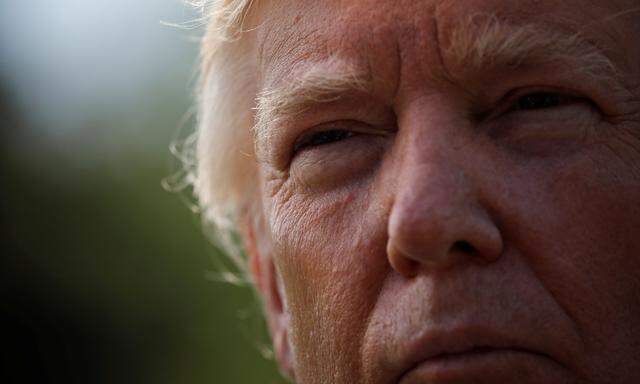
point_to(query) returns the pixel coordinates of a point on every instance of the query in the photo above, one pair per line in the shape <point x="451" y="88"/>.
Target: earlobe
<point x="265" y="277"/>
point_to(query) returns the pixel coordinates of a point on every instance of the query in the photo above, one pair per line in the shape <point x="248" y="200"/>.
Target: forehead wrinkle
<point x="320" y="84"/>
<point x="287" y="46"/>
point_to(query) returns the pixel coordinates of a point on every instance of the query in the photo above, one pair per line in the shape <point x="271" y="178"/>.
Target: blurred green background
<point x="103" y="274"/>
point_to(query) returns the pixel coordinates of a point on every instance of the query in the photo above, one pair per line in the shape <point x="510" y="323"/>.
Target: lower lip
<point x="492" y="365"/>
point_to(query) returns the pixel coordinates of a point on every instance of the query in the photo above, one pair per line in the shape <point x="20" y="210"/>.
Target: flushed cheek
<point x="322" y="251"/>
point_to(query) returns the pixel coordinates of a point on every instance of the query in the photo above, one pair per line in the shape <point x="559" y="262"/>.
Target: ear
<point x="259" y="246"/>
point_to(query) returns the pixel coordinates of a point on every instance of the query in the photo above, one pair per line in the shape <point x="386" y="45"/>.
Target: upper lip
<point x="434" y="344"/>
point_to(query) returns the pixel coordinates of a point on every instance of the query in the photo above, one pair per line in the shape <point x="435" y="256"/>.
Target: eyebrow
<point x="320" y="84"/>
<point x="483" y="41"/>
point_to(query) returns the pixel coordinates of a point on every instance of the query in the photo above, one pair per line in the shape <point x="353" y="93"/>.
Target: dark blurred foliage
<point x="103" y="273"/>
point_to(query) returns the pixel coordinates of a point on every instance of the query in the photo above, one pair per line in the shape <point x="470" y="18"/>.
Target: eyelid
<point x="356" y="127"/>
<point x="303" y="141"/>
<point x="506" y="103"/>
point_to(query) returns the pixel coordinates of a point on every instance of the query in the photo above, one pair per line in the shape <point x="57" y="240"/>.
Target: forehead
<point x="294" y="34"/>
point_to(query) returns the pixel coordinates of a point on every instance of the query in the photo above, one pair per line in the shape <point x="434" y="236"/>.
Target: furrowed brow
<point x="485" y="41"/>
<point x="319" y="85"/>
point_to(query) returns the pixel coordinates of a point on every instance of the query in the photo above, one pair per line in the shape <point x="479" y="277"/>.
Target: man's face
<point x="452" y="188"/>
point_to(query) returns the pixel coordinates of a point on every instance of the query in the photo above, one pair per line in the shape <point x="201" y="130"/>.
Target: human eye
<point x="543" y="121"/>
<point x="542" y="100"/>
<point x="323" y="137"/>
<point x="336" y="153"/>
<point x="328" y="138"/>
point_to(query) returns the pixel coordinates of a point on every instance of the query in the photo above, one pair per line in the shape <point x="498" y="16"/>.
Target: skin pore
<point x="432" y="218"/>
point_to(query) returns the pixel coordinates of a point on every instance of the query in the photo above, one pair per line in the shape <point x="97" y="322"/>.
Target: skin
<point x="442" y="247"/>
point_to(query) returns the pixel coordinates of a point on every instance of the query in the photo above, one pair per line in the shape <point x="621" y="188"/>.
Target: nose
<point x="437" y="219"/>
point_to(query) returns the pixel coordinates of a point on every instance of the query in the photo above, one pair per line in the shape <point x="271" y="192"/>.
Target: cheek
<point x="598" y="223"/>
<point x="581" y="237"/>
<point x="330" y="260"/>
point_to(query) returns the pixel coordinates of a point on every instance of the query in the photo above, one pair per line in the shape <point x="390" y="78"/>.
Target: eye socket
<point x="319" y="138"/>
<point x="542" y="100"/>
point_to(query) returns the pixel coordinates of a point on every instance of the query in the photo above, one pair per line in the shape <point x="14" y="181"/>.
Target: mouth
<point x="489" y="363"/>
<point x="475" y="352"/>
<point x="462" y="357"/>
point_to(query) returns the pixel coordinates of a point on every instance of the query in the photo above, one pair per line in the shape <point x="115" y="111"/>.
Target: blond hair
<point x="214" y="157"/>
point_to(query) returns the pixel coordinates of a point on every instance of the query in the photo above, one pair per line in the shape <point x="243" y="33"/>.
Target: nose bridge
<point x="435" y="154"/>
<point x="437" y="166"/>
<point x="432" y="191"/>
<point x="436" y="217"/>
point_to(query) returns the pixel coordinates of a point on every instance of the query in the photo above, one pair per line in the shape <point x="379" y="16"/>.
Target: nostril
<point x="463" y="247"/>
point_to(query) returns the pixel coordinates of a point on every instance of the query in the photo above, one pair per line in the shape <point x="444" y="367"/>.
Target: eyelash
<point x="322" y="138"/>
<point x="550" y="100"/>
<point x="521" y="103"/>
